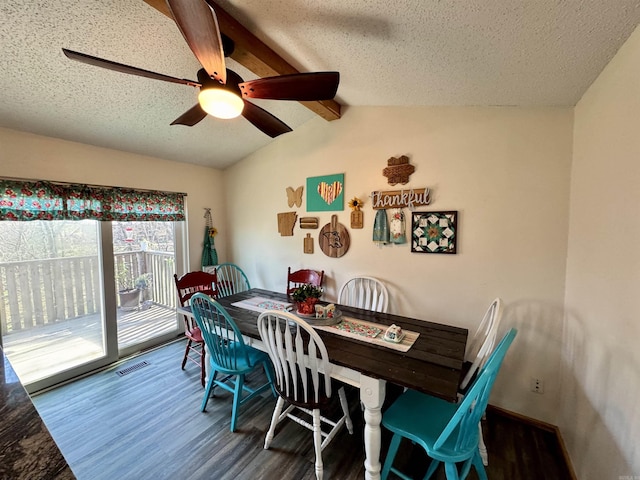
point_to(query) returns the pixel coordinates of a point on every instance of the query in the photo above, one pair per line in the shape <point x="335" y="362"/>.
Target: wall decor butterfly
<point x="294" y="197"/>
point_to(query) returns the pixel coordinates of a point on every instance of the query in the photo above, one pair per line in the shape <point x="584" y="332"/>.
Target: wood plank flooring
<point x="148" y="425"/>
<point x="43" y="351"/>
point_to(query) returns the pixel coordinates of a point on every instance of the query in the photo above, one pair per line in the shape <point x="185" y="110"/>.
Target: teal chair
<point x="447" y="431"/>
<point x="228" y="355"/>
<point x="231" y="279"/>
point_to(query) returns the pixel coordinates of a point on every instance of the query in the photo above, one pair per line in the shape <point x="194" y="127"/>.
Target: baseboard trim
<point x="541" y="425"/>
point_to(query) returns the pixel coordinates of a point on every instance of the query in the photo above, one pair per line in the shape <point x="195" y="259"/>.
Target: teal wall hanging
<point x="325" y="193"/>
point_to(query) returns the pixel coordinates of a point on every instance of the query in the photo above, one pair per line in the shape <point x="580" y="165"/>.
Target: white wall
<point x="24" y="155"/>
<point x="600" y="418"/>
<point x="506" y="170"/>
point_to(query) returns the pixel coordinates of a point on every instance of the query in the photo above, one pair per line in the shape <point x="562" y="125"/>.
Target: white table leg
<point x="372" y="393"/>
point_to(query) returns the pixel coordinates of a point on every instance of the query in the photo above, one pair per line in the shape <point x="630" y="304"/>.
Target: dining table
<point x="433" y="363"/>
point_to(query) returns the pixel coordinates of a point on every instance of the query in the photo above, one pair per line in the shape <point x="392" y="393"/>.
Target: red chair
<point x="300" y="277"/>
<point x="188" y="285"/>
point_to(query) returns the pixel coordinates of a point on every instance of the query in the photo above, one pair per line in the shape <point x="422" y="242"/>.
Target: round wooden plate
<point x="334" y="238"/>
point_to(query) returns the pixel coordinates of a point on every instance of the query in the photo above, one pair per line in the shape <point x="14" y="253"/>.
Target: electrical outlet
<point x="537" y="385"/>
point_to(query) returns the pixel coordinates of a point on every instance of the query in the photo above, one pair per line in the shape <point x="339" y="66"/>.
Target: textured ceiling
<point x="406" y="52"/>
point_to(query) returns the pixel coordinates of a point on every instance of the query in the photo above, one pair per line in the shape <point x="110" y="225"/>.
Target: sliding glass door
<point x="52" y="304"/>
<point x="144" y="261"/>
<point x="61" y="313"/>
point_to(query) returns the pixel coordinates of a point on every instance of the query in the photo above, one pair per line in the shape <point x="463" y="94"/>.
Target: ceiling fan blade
<point x="199" y="26"/>
<point x="263" y="120"/>
<point x="191" y="116"/>
<point x="297" y="86"/>
<point x="120" y="67"/>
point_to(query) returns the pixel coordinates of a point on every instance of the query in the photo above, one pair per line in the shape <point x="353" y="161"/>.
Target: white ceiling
<point x="405" y="52"/>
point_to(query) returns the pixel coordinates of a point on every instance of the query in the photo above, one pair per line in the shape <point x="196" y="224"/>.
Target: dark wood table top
<point x="27" y="450"/>
<point x="432" y="365"/>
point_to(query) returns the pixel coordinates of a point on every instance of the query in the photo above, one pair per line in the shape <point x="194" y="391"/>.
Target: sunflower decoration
<point x="355" y="204"/>
<point x="356" y="215"/>
<point x="213" y="231"/>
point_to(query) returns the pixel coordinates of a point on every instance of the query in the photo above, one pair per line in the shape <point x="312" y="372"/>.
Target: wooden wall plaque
<point x="357" y="219"/>
<point x="308" y="222"/>
<point x="401" y="198"/>
<point x="308" y="244"/>
<point x="286" y="222"/>
<point x="334" y="238"/>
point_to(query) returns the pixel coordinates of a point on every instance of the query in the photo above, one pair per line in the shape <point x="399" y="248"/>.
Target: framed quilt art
<point x="434" y="232"/>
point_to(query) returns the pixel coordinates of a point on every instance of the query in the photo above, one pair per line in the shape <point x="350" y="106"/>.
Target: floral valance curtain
<point x="24" y="200"/>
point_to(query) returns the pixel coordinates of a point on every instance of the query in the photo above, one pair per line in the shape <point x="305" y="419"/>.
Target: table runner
<point x="370" y="332"/>
<point x="262" y="304"/>
<point x="349" y="327"/>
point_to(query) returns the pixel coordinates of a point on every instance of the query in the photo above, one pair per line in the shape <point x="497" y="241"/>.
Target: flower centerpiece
<point x="306" y="296"/>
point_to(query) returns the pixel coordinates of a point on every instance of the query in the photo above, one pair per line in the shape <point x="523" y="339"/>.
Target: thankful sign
<point x="325" y="193"/>
<point x="410" y="197"/>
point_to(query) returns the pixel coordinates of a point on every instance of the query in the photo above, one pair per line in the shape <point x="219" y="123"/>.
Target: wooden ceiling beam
<point x="256" y="56"/>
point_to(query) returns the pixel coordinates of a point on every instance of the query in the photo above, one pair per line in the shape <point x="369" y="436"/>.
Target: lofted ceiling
<point x="407" y="52"/>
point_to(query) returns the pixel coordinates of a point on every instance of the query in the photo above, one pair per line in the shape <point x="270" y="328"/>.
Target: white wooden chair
<point x="302" y="379"/>
<point x="477" y="353"/>
<point x="481" y="345"/>
<point x="365" y="292"/>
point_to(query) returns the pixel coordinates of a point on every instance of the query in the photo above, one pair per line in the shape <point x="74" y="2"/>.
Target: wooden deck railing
<point x="42" y="292"/>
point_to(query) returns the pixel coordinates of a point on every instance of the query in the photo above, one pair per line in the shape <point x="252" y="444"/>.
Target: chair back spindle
<point x="301" y="277"/>
<point x="365" y="292"/>
<point x="231" y="279"/>
<point x="482" y="342"/>
<point x="221" y="334"/>
<point x="299" y="356"/>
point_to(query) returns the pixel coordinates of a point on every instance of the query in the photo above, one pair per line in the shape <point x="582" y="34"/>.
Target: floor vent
<point x="132" y="368"/>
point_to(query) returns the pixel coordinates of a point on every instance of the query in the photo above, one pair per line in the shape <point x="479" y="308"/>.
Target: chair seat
<point x="195" y="334"/>
<point x="254" y="357"/>
<point x="425" y="429"/>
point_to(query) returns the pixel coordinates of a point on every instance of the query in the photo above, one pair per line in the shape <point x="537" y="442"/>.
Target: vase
<point x="308" y="307"/>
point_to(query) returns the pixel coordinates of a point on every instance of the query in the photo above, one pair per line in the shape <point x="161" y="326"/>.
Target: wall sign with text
<point x="410" y="197"/>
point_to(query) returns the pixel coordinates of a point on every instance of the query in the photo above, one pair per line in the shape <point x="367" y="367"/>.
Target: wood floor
<point x="43" y="351"/>
<point x="148" y="425"/>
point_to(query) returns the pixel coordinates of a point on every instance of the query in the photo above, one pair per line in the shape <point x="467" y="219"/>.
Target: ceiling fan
<point x="223" y="93"/>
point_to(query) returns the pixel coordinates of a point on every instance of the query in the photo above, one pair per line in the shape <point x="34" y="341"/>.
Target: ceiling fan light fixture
<point x="220" y="102"/>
